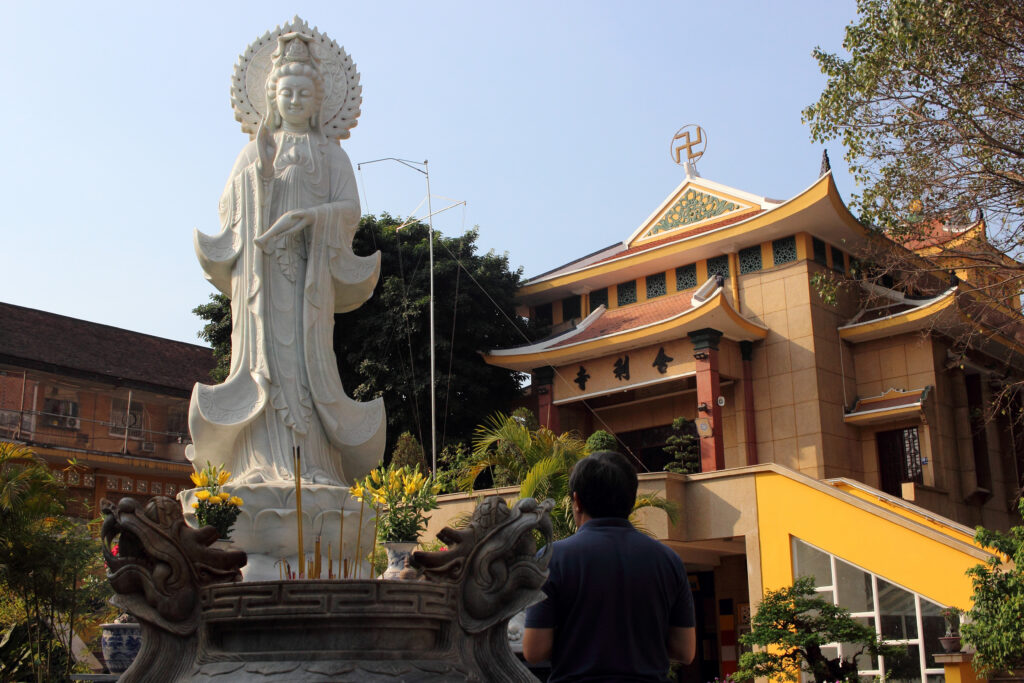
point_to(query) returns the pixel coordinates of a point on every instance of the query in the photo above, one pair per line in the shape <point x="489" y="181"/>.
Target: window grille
<point x="719" y="265"/>
<point x="656" y="285"/>
<point x="599" y="297"/>
<point x="784" y="250"/>
<point x="686" y="277"/>
<point x="626" y="293"/>
<point x="750" y="259"/>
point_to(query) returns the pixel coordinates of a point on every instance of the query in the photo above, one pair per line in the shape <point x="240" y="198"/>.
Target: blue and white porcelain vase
<point x="120" y="643"/>
<point x="398" y="556"/>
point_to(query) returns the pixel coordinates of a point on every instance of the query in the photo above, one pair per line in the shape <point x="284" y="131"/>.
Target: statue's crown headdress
<point x="297" y="43"/>
<point x="293" y="47"/>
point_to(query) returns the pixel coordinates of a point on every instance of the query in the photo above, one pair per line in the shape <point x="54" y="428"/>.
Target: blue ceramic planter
<point x="120" y="644"/>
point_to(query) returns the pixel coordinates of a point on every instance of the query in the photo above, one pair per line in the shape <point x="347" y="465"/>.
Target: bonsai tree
<point x="408" y="452"/>
<point x="684" y="447"/>
<point x="601" y="441"/>
<point x="952" y="617"/>
<point x="792" y="625"/>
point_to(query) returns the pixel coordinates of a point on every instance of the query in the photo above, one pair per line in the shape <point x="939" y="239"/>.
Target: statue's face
<point x="295" y="100"/>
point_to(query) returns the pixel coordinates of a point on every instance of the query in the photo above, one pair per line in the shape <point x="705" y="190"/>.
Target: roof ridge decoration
<point x="695" y="202"/>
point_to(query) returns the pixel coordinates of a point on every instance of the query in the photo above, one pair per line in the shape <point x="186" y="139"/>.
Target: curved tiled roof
<point x="630" y="317"/>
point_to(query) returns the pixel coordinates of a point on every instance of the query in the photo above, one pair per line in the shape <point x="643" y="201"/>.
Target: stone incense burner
<point x="200" y="622"/>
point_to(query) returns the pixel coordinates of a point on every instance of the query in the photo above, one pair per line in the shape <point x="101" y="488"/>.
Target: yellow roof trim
<point x="822" y="189"/>
<point x="883" y="414"/>
<point x="866" y="331"/>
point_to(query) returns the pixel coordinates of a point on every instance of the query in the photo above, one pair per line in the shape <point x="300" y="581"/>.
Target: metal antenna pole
<point x="433" y="365"/>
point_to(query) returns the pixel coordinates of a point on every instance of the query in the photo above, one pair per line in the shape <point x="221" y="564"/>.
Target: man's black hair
<point x="605" y="483"/>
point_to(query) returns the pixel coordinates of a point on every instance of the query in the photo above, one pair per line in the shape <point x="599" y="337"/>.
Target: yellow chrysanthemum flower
<point x="216" y="500"/>
<point x="224" y="496"/>
<point x="223" y="477"/>
<point x="236" y="501"/>
<point x="195" y="506"/>
<point x="203" y="495"/>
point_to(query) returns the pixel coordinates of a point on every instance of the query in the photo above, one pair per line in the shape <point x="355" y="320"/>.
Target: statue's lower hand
<point x="290" y="223"/>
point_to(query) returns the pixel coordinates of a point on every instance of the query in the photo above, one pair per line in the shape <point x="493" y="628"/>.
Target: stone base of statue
<point x="267" y="528"/>
<point x="201" y="623"/>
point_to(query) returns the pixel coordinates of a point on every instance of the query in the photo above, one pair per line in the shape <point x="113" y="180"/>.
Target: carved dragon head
<point x="495" y="560"/>
<point x="162" y="562"/>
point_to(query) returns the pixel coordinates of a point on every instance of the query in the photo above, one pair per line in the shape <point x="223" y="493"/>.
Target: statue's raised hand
<point x="292" y="222"/>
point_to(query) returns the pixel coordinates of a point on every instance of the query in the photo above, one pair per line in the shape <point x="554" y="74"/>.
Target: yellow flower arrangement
<point x="215" y="507"/>
<point x="403" y="495"/>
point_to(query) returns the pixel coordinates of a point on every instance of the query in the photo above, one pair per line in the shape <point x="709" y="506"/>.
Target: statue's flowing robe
<point x="283" y="388"/>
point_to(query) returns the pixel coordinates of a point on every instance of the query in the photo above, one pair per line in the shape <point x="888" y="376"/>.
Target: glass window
<point x="820" y="249"/>
<point x="784" y="250"/>
<point x="718" y="265"/>
<point x="123" y="416"/>
<point x="933" y="627"/>
<point x="898" y="616"/>
<point x="599" y="297"/>
<point x="897" y="611"/>
<point x="750" y="259"/>
<point x="854" y="588"/>
<point x="809" y="561"/>
<point x="904" y="667"/>
<point x="656" y="285"/>
<point x="626" y="293"/>
<point x="686" y="277"/>
<point x="837" y="260"/>
<point x="571" y="307"/>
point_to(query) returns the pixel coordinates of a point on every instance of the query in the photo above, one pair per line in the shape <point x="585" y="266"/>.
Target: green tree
<point x="996" y="625"/>
<point x="601" y="441"/>
<point x="792" y="624"/>
<point x="930" y="109"/>
<point x="539" y="461"/>
<point x="49" y="563"/>
<point x="383" y="347"/>
<point x="217" y="333"/>
<point x="684" y="447"/>
<point x="408" y="451"/>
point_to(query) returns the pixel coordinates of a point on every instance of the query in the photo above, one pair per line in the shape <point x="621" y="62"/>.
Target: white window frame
<point x="875" y="614"/>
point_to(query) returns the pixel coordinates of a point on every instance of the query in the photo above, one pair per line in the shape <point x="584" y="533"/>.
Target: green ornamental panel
<point x="694" y="206"/>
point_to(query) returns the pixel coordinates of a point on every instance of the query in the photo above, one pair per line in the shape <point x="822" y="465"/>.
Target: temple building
<point x="106" y="408"/>
<point x="848" y="436"/>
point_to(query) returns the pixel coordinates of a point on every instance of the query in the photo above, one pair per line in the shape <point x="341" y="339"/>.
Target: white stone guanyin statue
<point x="288" y="215"/>
<point x="284" y="256"/>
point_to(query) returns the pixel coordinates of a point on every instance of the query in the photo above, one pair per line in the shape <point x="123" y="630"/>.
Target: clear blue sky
<point x="551" y="119"/>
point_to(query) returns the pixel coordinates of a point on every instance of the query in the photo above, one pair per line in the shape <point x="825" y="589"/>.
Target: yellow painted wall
<point x="913" y="558"/>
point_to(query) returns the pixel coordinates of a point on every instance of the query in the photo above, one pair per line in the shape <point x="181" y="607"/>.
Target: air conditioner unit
<point x="148" y="447"/>
<point x="72" y="423"/>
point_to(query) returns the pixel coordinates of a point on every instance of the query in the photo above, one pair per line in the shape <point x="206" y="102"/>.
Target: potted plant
<point x="400" y="496"/>
<point x="951" y="641"/>
<point x="214" y="506"/>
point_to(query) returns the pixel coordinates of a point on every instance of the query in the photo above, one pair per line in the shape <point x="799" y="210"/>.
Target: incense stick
<point x="297" y="453"/>
<point x="359" y="539"/>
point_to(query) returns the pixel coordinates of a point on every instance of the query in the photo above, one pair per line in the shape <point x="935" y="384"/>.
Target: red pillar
<point x="750" y="425"/>
<point x="547" y="411"/>
<point x="705" y="352"/>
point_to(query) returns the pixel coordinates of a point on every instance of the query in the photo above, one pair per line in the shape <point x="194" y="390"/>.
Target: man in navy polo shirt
<point x="618" y="604"/>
